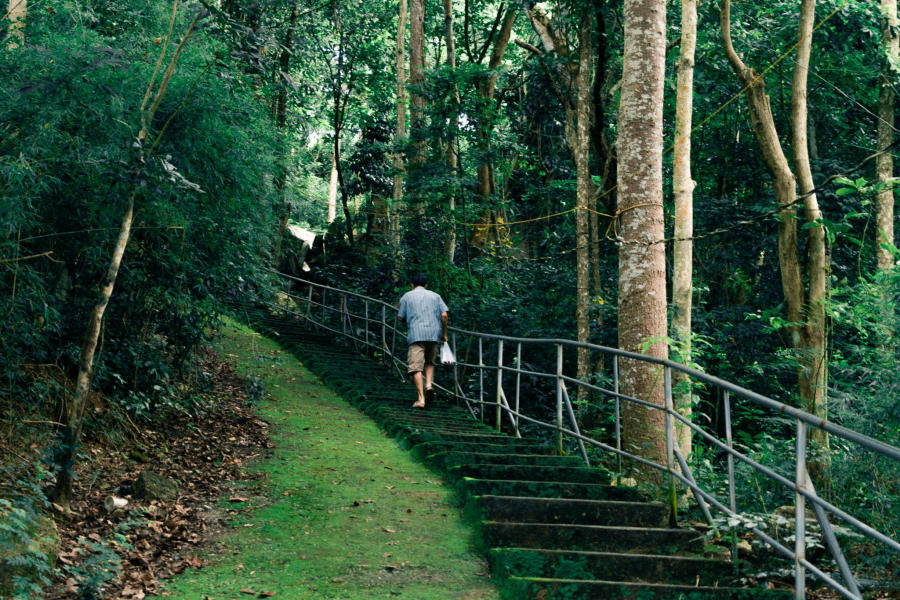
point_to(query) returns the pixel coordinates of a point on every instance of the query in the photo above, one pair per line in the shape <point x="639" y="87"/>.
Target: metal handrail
<point x="332" y="312"/>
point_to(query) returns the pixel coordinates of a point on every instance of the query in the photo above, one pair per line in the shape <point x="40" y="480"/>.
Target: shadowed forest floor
<point x="338" y="510"/>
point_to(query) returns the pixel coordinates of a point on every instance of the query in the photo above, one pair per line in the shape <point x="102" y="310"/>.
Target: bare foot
<point x="419" y="404"/>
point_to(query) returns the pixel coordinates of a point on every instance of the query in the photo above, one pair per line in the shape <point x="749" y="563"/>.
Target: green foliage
<point x="100" y="565"/>
<point x="23" y="557"/>
<point x="70" y="105"/>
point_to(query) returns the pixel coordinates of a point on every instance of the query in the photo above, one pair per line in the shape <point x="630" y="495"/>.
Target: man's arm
<point x="444" y="320"/>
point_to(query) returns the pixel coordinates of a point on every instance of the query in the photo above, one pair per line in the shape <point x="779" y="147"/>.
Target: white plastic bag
<point x="447" y="357"/>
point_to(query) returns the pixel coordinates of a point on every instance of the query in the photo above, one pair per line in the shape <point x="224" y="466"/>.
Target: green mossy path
<point x="339" y="510"/>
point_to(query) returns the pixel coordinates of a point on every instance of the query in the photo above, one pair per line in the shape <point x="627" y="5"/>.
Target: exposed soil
<point x="202" y="453"/>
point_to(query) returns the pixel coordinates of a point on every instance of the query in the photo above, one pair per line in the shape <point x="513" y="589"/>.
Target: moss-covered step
<point x="600" y="538"/>
<point x="609" y="566"/>
<point x="411" y="438"/>
<point x="531" y="472"/>
<point x="453" y="458"/>
<point x="407" y="412"/>
<point x="526" y="588"/>
<point x="499" y="447"/>
<point x="576" y="512"/>
<point x="470" y="486"/>
<point x="409" y="416"/>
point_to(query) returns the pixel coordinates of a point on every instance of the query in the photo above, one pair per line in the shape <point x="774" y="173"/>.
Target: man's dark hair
<point x="419" y="279"/>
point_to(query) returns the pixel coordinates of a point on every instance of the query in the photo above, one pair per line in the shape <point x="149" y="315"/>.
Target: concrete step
<point x="511" y="445"/>
<point x="546" y="489"/>
<point x="534" y="472"/>
<point x="577" y="512"/>
<point x="610" y="566"/>
<point x="527" y="588"/>
<point x="600" y="538"/>
<point x="449" y="459"/>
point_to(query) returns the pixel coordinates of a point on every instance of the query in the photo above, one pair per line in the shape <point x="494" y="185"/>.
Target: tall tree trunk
<point x="284" y="61"/>
<point x="417" y="80"/>
<point x="585" y="191"/>
<point x="813" y="359"/>
<point x="18" y="14"/>
<point x="642" y="265"/>
<point x="884" y="164"/>
<point x="400" y="135"/>
<point x="333" y="180"/>
<point x="805" y="308"/>
<point x="452" y="142"/>
<point x="486" y="89"/>
<point x="683" y="188"/>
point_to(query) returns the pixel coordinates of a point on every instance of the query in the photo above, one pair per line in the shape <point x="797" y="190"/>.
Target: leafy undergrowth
<point x="125" y="554"/>
<point x="338" y="511"/>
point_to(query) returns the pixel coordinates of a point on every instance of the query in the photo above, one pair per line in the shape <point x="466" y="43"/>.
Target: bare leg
<point x="420" y="391"/>
<point x="429" y="376"/>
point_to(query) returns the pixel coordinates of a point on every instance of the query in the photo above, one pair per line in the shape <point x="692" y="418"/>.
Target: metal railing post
<point x="518" y="384"/>
<point x="800" y="515"/>
<point x="559" y="397"/>
<point x="670" y="443"/>
<point x="480" y="380"/>
<point x="309" y="302"/>
<point x="732" y="502"/>
<point x="343" y="312"/>
<point x="455" y="369"/>
<point x="366" y="319"/>
<point x="383" y="344"/>
<point x="499" y="380"/>
<point x="618" y="416"/>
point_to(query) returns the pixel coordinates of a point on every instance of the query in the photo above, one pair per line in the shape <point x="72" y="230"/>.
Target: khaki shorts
<point x="421" y="354"/>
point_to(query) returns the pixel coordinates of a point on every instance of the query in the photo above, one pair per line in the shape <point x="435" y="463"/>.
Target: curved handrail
<point x="801" y="486"/>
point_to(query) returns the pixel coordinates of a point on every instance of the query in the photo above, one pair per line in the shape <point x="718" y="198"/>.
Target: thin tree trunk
<point x="417" y="80"/>
<point x="284" y="62"/>
<point x="333" y="180"/>
<point x="884" y="164"/>
<point x="813" y="358"/>
<point x="585" y="191"/>
<point x="642" y="265"/>
<point x="400" y="135"/>
<point x="683" y="188"/>
<point x="18" y="14"/>
<point x="62" y="490"/>
<point x="452" y="142"/>
<point x="805" y="307"/>
<point x="486" y="89"/>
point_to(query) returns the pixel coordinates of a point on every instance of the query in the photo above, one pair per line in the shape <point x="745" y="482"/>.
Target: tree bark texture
<point x="486" y="89"/>
<point x="585" y="192"/>
<point x="284" y="61"/>
<point x="683" y="247"/>
<point x="452" y="142"/>
<point x="813" y="358"/>
<point x="400" y="135"/>
<point x="417" y="80"/>
<point x="884" y="164"/>
<point x="333" y="180"/>
<point x="18" y="14"/>
<point x="642" y="268"/>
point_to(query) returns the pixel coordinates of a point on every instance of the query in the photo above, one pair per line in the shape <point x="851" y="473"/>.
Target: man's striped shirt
<point x="421" y="309"/>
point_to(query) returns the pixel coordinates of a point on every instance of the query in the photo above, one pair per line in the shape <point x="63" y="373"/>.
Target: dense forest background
<point x="214" y="129"/>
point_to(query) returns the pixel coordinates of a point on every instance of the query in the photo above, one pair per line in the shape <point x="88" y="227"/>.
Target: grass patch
<point x="339" y="510"/>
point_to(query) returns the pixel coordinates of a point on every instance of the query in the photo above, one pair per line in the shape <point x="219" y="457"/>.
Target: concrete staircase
<point x="551" y="527"/>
